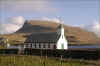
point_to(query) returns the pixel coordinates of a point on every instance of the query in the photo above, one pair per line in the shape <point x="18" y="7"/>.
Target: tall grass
<point x="20" y="60"/>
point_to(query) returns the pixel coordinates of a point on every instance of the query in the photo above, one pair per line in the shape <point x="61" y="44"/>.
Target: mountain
<point x="74" y="35"/>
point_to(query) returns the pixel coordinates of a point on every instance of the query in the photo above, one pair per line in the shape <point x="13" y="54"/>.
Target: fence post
<point x="14" y="61"/>
<point x="61" y="60"/>
<point x="70" y="62"/>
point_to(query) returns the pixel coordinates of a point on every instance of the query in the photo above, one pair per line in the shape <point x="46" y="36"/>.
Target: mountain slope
<point x="75" y="35"/>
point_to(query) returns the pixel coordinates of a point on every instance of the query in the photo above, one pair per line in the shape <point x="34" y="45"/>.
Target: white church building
<point x="47" y="40"/>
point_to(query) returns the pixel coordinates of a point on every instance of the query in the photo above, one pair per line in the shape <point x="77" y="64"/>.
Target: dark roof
<point x="43" y="37"/>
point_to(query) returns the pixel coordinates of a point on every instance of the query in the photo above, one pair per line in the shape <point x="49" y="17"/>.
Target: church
<point x="47" y="40"/>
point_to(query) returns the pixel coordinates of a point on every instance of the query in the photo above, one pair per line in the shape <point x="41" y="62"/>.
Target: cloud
<point x="8" y="28"/>
<point x="92" y="27"/>
<point x="27" y="5"/>
<point x="12" y="25"/>
<point x="50" y="19"/>
<point x="77" y="25"/>
<point x="16" y="20"/>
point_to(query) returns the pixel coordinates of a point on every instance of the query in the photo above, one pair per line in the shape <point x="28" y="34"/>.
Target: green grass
<point x="12" y="60"/>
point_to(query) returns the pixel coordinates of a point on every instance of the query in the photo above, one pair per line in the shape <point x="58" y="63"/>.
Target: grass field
<point x="19" y="60"/>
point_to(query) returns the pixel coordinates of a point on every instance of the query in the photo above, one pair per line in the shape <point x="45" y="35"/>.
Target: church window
<point x="49" y="45"/>
<point x="62" y="46"/>
<point x="39" y="46"/>
<point x="44" y="46"/>
<point x="62" y="37"/>
<point x="54" y="46"/>
<point x="35" y="45"/>
<point x="31" y="45"/>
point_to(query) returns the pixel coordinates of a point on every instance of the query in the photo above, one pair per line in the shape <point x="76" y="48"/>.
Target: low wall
<point x="83" y="54"/>
<point x="9" y="51"/>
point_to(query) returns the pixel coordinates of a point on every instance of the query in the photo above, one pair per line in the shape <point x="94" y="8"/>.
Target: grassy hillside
<point x="74" y="35"/>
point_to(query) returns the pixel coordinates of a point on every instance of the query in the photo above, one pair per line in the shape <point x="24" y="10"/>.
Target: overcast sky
<point x="74" y="12"/>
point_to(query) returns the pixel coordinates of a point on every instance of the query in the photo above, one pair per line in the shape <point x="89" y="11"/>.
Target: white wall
<point x="62" y="40"/>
